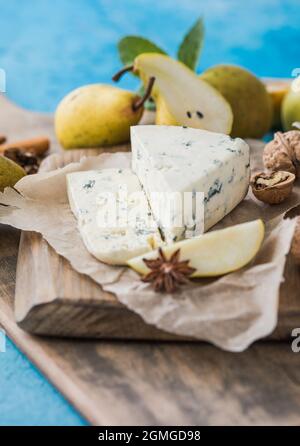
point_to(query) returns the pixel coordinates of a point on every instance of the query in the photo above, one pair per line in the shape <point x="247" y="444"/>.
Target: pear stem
<point x="120" y="73"/>
<point x="140" y="102"/>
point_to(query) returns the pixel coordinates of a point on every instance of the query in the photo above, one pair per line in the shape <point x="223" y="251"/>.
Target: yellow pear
<point x="10" y="173"/>
<point x="96" y="115"/>
<point x="214" y="253"/>
<point x="247" y="95"/>
<point x="290" y="109"/>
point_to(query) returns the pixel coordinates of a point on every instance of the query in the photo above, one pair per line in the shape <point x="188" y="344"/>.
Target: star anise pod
<point x="167" y="275"/>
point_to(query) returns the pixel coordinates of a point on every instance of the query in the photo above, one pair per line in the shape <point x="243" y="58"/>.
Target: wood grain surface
<point x="149" y="383"/>
<point x="159" y="383"/>
<point x="53" y="299"/>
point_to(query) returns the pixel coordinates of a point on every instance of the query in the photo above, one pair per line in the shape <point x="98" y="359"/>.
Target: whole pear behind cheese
<point x="96" y="115"/>
<point x="290" y="109"/>
<point x="10" y="173"/>
<point x="251" y="105"/>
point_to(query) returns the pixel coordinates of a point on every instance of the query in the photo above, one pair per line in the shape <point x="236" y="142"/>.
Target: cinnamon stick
<point x="37" y="146"/>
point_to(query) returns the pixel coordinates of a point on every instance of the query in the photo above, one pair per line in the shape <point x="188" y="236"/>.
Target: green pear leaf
<point x="191" y="46"/>
<point x="132" y="46"/>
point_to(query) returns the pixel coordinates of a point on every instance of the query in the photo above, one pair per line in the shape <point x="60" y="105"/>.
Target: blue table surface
<point x="49" y="47"/>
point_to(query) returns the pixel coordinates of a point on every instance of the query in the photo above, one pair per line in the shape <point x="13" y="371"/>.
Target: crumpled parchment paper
<point x="231" y="312"/>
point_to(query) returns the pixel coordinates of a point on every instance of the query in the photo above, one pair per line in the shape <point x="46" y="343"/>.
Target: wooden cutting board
<point x="151" y="383"/>
<point x="53" y="299"/>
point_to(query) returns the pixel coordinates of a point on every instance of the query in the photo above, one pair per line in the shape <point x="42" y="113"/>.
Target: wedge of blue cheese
<point x="170" y="159"/>
<point x="113" y="214"/>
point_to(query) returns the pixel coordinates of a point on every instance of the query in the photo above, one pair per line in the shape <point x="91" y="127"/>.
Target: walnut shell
<point x="275" y="193"/>
<point x="283" y="152"/>
<point x="295" y="246"/>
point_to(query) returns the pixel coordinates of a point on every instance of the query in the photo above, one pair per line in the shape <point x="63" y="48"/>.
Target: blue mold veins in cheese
<point x="179" y="163"/>
<point x="177" y="159"/>
<point x="99" y="200"/>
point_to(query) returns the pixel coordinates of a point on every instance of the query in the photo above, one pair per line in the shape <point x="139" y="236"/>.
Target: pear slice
<point x="162" y="115"/>
<point x="191" y="101"/>
<point x="215" y="253"/>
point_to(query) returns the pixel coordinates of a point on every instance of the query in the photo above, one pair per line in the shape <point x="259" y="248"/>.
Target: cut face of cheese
<point x="173" y="159"/>
<point x="113" y="214"/>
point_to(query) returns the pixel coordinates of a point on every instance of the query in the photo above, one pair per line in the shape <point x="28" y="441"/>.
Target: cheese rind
<point x="170" y="159"/>
<point x="113" y="214"/>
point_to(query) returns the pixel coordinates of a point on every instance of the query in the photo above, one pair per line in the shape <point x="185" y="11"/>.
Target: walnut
<point x="273" y="187"/>
<point x="283" y="152"/>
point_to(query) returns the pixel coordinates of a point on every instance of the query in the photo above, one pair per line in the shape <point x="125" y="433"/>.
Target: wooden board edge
<point x="102" y="319"/>
<point x="112" y="322"/>
<point x="108" y="322"/>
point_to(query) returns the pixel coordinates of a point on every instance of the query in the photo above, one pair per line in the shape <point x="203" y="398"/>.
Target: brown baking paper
<point x="230" y="312"/>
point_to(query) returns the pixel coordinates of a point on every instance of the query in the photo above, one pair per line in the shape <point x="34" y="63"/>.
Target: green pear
<point x="251" y="105"/>
<point x="96" y="115"/>
<point x="290" y="110"/>
<point x="10" y="173"/>
<point x="181" y="96"/>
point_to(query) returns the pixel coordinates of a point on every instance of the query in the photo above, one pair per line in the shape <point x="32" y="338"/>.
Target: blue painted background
<point x="49" y="47"/>
<point x="26" y="398"/>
